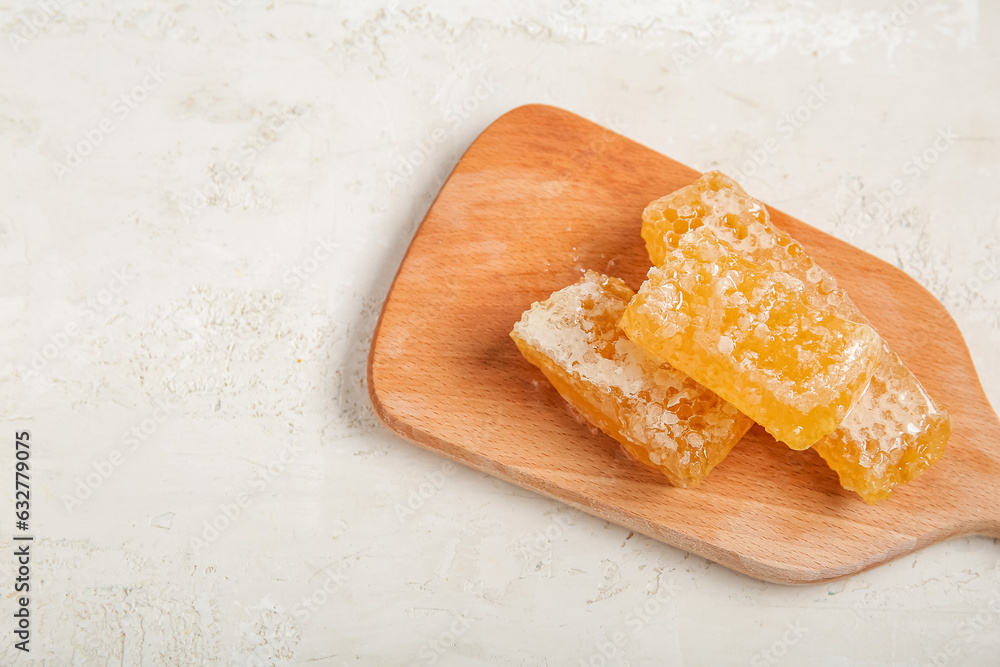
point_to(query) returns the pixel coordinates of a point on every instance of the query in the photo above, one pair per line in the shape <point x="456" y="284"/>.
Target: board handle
<point x="991" y="512"/>
<point x="985" y="520"/>
<point x="984" y="490"/>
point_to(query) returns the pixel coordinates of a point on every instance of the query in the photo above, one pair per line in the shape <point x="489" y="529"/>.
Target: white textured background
<point x="251" y="264"/>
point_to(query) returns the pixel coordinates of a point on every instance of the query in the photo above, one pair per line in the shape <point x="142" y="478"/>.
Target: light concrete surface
<point x="202" y="206"/>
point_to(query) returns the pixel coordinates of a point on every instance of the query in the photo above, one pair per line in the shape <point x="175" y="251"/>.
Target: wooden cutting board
<point x="542" y="195"/>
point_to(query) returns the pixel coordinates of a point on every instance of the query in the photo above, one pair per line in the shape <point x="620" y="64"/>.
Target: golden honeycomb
<point x="663" y="418"/>
<point x="750" y="334"/>
<point x="719" y="203"/>
<point x="733" y="303"/>
<point x="894" y="433"/>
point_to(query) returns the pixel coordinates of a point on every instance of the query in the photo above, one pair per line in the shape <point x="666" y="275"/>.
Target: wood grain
<point x="543" y="194"/>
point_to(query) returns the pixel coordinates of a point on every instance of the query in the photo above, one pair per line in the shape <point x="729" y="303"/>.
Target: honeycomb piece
<point x="662" y="417"/>
<point x="719" y="203"/>
<point x="893" y="434"/>
<point x="756" y="335"/>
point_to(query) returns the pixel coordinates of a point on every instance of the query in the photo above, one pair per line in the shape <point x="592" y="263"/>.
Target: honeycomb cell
<point x="663" y="418"/>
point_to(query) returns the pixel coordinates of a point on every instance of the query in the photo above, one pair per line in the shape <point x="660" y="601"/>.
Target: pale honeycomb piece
<point x="758" y="336"/>
<point x="894" y="433"/>
<point x="661" y="417"/>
